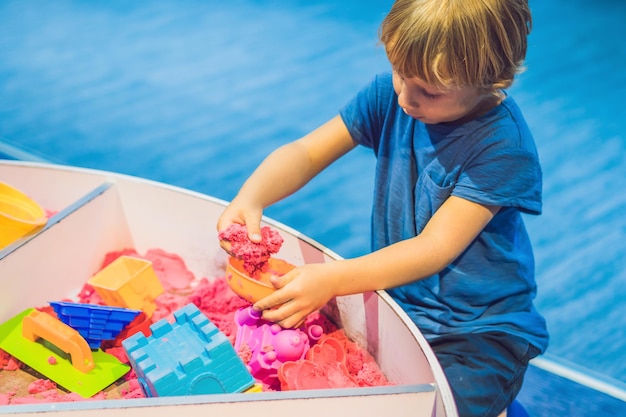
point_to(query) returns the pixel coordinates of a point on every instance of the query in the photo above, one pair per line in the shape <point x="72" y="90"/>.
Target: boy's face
<point x="431" y="105"/>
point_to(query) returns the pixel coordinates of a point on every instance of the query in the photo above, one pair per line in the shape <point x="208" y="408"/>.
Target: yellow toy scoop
<point x="19" y="215"/>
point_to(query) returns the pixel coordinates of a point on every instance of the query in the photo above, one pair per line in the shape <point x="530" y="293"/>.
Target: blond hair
<point x="479" y="43"/>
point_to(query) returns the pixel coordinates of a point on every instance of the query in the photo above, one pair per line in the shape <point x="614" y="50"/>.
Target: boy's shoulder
<point x="383" y="81"/>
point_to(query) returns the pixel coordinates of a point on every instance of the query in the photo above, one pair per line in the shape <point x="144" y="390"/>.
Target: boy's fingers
<point x="254" y="229"/>
<point x="254" y="233"/>
<point x="279" y="281"/>
<point x="276" y="281"/>
<point x="272" y="301"/>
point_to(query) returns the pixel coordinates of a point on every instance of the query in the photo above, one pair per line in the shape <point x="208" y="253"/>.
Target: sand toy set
<point x="93" y="222"/>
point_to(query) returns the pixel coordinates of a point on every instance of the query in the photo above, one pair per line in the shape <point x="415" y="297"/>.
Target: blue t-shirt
<point x="491" y="160"/>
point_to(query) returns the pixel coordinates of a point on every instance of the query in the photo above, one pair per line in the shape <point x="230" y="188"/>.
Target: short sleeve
<point x="364" y="114"/>
<point x="509" y="177"/>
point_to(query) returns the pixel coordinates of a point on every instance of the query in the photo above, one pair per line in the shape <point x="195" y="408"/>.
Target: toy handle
<point x="39" y="324"/>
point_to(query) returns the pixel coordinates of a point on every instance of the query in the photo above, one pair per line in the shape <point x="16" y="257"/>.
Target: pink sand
<point x="216" y="300"/>
<point x="8" y="362"/>
<point x="254" y="255"/>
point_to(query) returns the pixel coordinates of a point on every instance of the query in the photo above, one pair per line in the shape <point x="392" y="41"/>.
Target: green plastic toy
<point x="56" y="365"/>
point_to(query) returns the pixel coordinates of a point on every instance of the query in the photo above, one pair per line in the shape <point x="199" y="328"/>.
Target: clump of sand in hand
<point x="255" y="255"/>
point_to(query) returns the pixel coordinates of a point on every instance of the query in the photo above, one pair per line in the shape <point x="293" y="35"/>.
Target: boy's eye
<point x="426" y="94"/>
<point x="429" y="96"/>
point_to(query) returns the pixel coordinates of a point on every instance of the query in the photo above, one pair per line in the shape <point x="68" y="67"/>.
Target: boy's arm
<point x="448" y="233"/>
<point x="285" y="171"/>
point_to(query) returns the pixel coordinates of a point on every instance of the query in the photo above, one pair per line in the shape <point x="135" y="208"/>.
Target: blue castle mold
<point x="188" y="357"/>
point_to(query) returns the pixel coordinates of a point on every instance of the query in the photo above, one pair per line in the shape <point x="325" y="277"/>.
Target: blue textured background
<point x="196" y="93"/>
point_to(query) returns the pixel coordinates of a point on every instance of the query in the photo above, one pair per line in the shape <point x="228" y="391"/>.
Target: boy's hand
<point x="299" y="293"/>
<point x="244" y="215"/>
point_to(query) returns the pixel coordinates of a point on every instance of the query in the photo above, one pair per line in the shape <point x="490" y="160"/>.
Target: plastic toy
<point x="324" y="367"/>
<point x="141" y="323"/>
<point x="19" y="215"/>
<point x="257" y="387"/>
<point x="88" y="372"/>
<point x="128" y="282"/>
<point x="95" y="323"/>
<point x="270" y="345"/>
<point x="42" y="325"/>
<point x="187" y="357"/>
<point x="253" y="289"/>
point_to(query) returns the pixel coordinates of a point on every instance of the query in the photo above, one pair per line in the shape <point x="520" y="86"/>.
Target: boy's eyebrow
<point x="433" y="91"/>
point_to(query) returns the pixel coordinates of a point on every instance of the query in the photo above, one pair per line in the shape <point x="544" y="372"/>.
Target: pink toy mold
<point x="268" y="346"/>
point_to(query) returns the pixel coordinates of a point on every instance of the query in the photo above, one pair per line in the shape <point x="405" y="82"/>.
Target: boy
<point x="456" y="167"/>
